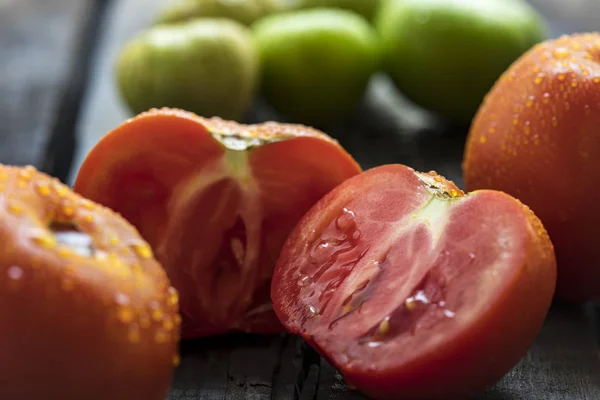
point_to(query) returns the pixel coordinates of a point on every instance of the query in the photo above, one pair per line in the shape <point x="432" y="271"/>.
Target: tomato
<point x="413" y="289"/>
<point x="537" y="137"/>
<point x="216" y="201"/>
<point x="85" y="309"/>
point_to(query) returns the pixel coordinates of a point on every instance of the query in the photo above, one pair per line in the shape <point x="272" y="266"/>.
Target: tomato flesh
<point x="216" y="201"/>
<point x="389" y="278"/>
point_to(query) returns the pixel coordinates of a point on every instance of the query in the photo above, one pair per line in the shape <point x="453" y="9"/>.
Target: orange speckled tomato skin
<point x="77" y="326"/>
<point x="537" y="137"/>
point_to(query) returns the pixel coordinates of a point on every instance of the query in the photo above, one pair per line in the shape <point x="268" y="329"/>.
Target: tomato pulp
<point x="216" y="201"/>
<point x="413" y="289"/>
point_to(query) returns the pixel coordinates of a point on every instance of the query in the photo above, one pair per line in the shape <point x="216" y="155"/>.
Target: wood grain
<point x="38" y="42"/>
<point x="563" y="364"/>
<point x="239" y="367"/>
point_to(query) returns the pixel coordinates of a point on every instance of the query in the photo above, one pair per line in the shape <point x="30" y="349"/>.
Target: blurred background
<point x="62" y="86"/>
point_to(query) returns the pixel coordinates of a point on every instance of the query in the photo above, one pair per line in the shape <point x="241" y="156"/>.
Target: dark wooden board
<point x="562" y="364"/>
<point x="559" y="366"/>
<point x="219" y="366"/>
<point x="39" y="43"/>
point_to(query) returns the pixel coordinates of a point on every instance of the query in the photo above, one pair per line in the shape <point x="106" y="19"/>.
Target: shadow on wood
<point x="38" y="43"/>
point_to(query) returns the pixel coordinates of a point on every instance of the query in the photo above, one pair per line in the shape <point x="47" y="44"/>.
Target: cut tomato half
<point x="216" y="201"/>
<point x="413" y="289"/>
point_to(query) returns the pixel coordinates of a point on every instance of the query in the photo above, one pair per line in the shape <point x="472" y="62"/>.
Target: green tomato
<point x="316" y="63"/>
<point x="243" y="11"/>
<point x="366" y="8"/>
<point x="446" y="54"/>
<point x="208" y="66"/>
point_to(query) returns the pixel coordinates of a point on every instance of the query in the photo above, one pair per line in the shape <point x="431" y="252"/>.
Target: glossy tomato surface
<point x="216" y="201"/>
<point x="537" y="137"/>
<point x="413" y="289"/>
<point x="86" y="311"/>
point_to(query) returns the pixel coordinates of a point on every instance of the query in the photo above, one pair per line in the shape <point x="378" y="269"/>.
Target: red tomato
<point x="413" y="289"/>
<point x="86" y="311"/>
<point x="216" y="201"/>
<point x="537" y="137"/>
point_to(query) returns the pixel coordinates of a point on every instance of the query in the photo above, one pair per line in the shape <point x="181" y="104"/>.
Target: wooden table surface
<point x="57" y="98"/>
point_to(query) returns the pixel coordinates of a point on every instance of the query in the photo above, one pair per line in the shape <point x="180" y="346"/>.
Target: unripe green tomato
<point x="366" y="8"/>
<point x="243" y="11"/>
<point x="207" y="66"/>
<point x="446" y="54"/>
<point x="315" y="63"/>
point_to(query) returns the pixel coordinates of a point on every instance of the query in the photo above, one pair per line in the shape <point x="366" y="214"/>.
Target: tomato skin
<point x="217" y="203"/>
<point x="77" y="326"/>
<point x="474" y="354"/>
<point x="536" y="137"/>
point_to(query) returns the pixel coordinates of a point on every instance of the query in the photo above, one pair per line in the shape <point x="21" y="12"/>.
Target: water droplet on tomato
<point x="539" y="78"/>
<point x="561" y="53"/>
<point x="161" y="336"/>
<point x="125" y="314"/>
<point x="472" y="256"/>
<point x="345" y="222"/>
<point x="121" y="299"/>
<point x="333" y="256"/>
<point x="43" y="189"/>
<point x="15" y="209"/>
<point x="328" y="248"/>
<point x="304" y="280"/>
<point x="43" y="238"/>
<point x="449" y="314"/>
<point x="418" y="297"/>
<point x="157" y="314"/>
<point x="142" y="250"/>
<point x="323" y="250"/>
<point x="15" y="273"/>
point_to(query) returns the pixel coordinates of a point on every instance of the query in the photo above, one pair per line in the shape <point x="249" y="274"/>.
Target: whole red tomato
<point x="537" y="137"/>
<point x="86" y="312"/>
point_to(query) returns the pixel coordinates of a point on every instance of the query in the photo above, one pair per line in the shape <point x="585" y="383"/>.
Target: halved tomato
<point x="216" y="201"/>
<point x="413" y="289"/>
